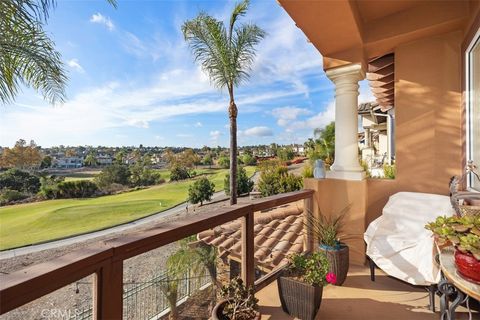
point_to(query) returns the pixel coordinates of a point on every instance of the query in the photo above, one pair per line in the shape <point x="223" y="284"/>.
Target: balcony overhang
<point x="351" y="31"/>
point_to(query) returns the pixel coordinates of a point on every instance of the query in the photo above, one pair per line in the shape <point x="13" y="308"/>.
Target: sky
<point x="133" y="80"/>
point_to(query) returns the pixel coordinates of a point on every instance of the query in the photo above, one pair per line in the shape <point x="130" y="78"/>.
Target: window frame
<point x="469" y="105"/>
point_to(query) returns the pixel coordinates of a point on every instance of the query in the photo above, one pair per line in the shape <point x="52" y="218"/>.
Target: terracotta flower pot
<point x="467" y="266"/>
<point x="338" y="260"/>
<point x="217" y="312"/>
<point x="299" y="299"/>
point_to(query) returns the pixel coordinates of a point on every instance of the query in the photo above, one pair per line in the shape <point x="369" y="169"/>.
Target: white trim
<point x="468" y="102"/>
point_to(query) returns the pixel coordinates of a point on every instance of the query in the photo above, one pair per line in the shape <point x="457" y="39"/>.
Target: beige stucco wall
<point x="331" y="197"/>
<point x="428" y="118"/>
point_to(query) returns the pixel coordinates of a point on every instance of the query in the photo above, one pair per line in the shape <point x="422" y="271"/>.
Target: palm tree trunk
<point x="232" y="113"/>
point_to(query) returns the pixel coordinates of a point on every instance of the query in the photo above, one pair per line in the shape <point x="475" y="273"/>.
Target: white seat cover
<point x="398" y="242"/>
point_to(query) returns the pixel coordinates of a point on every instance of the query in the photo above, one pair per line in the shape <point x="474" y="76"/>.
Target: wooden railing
<point x="105" y="259"/>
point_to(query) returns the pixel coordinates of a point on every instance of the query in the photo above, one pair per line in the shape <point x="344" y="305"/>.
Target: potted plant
<point x="464" y="234"/>
<point x="328" y="232"/>
<point x="239" y="303"/>
<point x="300" y="286"/>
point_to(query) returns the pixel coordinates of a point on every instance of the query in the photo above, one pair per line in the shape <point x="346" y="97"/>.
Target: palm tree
<point x="226" y="54"/>
<point x="27" y="55"/>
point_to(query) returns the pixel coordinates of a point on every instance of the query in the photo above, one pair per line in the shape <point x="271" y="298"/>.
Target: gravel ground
<point x="63" y="303"/>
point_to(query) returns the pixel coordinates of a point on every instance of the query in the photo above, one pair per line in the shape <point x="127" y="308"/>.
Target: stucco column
<point x="346" y="165"/>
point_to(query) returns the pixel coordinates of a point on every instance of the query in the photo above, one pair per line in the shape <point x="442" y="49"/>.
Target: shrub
<point x="76" y="189"/>
<point x="143" y="176"/>
<point x="179" y="173"/>
<point x="286" y="154"/>
<point x="116" y="173"/>
<point x="15" y="179"/>
<point x="389" y="171"/>
<point x="49" y="187"/>
<point x="224" y="162"/>
<point x="307" y="171"/>
<point x="275" y="179"/>
<point x="244" y="184"/>
<point x="249" y="160"/>
<point x="8" y="195"/>
<point x="200" y="191"/>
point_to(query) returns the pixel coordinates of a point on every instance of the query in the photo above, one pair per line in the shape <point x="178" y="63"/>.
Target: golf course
<point x="31" y="223"/>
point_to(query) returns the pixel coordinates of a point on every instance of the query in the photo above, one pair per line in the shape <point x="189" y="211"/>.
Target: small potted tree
<point x="328" y="232"/>
<point x="239" y="303"/>
<point x="464" y="234"/>
<point x="300" y="286"/>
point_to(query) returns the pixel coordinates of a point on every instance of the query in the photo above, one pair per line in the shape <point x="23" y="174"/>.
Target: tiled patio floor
<point x="361" y="299"/>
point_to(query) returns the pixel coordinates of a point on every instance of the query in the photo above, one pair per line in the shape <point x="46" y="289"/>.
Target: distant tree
<point x="49" y="186"/>
<point x="226" y="53"/>
<point x="200" y="191"/>
<point x="249" y="160"/>
<point x="244" y="184"/>
<point x="207" y="160"/>
<point x="224" y="162"/>
<point x="46" y="162"/>
<point x="120" y="156"/>
<point x="90" y="160"/>
<point x="142" y="175"/>
<point x="71" y="152"/>
<point x="324" y="147"/>
<point x="114" y="174"/>
<point x="285" y="154"/>
<point x="179" y="173"/>
<point x="22" y="181"/>
<point x="274" y="179"/>
<point x="21" y="156"/>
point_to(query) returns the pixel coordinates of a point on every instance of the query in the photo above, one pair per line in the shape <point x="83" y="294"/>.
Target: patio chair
<point x="399" y="244"/>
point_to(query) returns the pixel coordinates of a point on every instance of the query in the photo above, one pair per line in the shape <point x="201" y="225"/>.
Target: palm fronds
<point x="27" y="55"/>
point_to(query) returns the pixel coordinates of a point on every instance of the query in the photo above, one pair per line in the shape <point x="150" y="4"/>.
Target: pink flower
<point x="331" y="278"/>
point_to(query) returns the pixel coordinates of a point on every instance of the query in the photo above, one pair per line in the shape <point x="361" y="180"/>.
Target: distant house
<point x="376" y="134"/>
<point x="104" y="160"/>
<point x="68" y="162"/>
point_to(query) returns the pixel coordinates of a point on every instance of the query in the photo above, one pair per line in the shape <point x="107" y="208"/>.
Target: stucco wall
<point x="428" y="118"/>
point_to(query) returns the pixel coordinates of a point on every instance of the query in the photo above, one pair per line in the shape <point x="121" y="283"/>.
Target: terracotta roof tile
<point x="278" y="234"/>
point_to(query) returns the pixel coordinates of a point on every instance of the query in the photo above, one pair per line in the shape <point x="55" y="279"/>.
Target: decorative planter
<point x="299" y="299"/>
<point x="338" y="258"/>
<point x="217" y="312"/>
<point x="467" y="266"/>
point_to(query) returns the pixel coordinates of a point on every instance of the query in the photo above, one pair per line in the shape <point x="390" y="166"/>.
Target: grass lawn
<point x="31" y="223"/>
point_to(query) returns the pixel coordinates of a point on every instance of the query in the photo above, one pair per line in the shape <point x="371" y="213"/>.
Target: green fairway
<point x="31" y="223"/>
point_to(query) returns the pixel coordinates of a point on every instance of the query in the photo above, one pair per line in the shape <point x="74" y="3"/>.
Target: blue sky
<point x="133" y="81"/>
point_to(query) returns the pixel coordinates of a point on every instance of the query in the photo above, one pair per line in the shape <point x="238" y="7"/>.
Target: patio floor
<point x="361" y="299"/>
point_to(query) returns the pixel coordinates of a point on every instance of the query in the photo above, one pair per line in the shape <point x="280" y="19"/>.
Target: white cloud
<point x="101" y="19"/>
<point x="286" y="115"/>
<point x="215" y="134"/>
<point x="198" y="124"/>
<point x="258" y="132"/>
<point x="74" y="64"/>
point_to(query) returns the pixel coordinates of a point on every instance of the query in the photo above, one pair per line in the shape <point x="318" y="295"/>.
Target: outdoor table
<point x="453" y="285"/>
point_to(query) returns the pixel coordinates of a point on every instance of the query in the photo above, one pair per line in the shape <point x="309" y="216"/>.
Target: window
<point x="473" y="107"/>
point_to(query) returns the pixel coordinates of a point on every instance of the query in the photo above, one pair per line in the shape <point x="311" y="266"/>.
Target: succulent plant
<point x="462" y="232"/>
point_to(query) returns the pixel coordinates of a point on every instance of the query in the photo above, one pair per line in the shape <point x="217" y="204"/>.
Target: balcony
<point x="357" y="298"/>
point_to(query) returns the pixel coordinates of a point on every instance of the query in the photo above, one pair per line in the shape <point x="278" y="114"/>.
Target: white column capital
<point x="353" y="72"/>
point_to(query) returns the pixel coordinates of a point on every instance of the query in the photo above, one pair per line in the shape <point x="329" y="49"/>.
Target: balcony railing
<point x="105" y="259"/>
